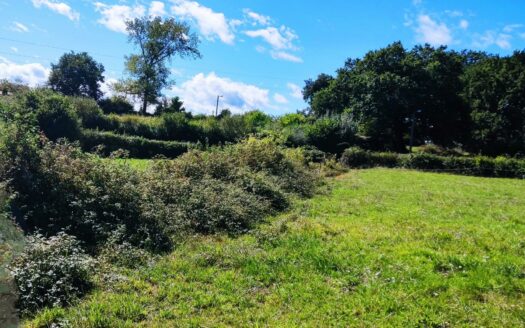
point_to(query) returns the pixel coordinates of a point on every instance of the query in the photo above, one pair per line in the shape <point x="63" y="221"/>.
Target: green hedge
<point x="478" y="165"/>
<point x="138" y="147"/>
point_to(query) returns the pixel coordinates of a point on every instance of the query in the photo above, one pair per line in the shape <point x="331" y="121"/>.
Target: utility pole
<point x="217" y="106"/>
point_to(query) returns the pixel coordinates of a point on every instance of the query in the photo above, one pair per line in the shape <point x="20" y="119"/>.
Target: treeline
<point x="469" y="99"/>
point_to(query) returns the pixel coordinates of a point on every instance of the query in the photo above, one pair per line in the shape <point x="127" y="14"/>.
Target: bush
<point x="51" y="272"/>
<point x="87" y="109"/>
<point x="116" y="105"/>
<point x="479" y="165"/>
<point x="54" y="113"/>
<point x="137" y="147"/>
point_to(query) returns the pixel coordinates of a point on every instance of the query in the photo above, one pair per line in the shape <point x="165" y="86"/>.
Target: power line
<point x="268" y="77"/>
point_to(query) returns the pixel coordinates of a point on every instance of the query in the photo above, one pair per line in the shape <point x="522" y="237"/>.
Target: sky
<point x="256" y="53"/>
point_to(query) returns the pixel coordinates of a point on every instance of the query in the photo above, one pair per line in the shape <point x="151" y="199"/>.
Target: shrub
<point x="479" y="165"/>
<point x="67" y="190"/>
<point x="116" y="105"/>
<point x="51" y="272"/>
<point x="53" y="113"/>
<point x="357" y="158"/>
<point x="87" y="109"/>
<point x="137" y="147"/>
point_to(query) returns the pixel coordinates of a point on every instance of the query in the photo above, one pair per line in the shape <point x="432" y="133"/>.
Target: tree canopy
<point x="77" y="74"/>
<point x="158" y="41"/>
<point x="467" y="98"/>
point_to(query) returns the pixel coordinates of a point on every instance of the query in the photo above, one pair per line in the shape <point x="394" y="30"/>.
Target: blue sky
<point x="256" y="53"/>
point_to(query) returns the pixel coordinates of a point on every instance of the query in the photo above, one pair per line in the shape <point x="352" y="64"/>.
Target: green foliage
<point x="477" y="165"/>
<point x="116" y="105"/>
<point x="77" y="75"/>
<point x="53" y="113"/>
<point x="158" y="41"/>
<point x="171" y="106"/>
<point x="107" y="142"/>
<point x="88" y="111"/>
<point x="51" y="272"/>
<point x="451" y="99"/>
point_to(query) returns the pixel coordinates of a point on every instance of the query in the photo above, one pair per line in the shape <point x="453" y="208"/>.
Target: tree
<point x="311" y="87"/>
<point x="173" y="105"/>
<point x="158" y="41"/>
<point x="77" y="74"/>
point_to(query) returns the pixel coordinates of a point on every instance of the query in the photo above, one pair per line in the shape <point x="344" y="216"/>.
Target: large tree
<point x="77" y="74"/>
<point x="158" y="41"/>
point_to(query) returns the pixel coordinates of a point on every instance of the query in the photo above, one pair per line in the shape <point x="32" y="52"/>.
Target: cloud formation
<point x="19" y="27"/>
<point x="61" y="8"/>
<point x="211" y="24"/>
<point x="200" y="93"/>
<point x="432" y="32"/>
<point x="114" y="17"/>
<point x="490" y="38"/>
<point x="33" y="74"/>
<point x="295" y="90"/>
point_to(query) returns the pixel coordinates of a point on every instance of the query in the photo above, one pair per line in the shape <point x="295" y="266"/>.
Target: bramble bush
<point x="51" y="272"/>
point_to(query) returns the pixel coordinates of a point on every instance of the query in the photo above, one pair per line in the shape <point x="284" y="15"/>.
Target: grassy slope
<point x="384" y="248"/>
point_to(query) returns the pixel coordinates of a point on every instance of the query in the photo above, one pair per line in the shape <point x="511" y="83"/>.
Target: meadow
<point x="378" y="247"/>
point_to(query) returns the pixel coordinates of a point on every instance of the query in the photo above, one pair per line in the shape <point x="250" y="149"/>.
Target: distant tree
<point x="173" y="105"/>
<point x="116" y="105"/>
<point x="77" y="74"/>
<point x="158" y="41"/>
<point x="311" y="87"/>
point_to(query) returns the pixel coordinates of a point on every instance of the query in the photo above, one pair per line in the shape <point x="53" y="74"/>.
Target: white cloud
<point x="463" y="24"/>
<point x="19" y="27"/>
<point x="211" y="24"/>
<point x="285" y="56"/>
<point x="200" y="93"/>
<point x="490" y="38"/>
<point x="114" y="17"/>
<point x="432" y="32"/>
<point x="14" y="49"/>
<point x="58" y="7"/>
<point x="281" y="38"/>
<point x="279" y="98"/>
<point x="33" y="74"/>
<point x="454" y="13"/>
<point x="257" y="18"/>
<point x="295" y="90"/>
<point x="156" y="8"/>
<point x="510" y="28"/>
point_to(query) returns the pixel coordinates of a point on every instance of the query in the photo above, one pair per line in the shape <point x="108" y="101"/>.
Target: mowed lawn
<point x="381" y="248"/>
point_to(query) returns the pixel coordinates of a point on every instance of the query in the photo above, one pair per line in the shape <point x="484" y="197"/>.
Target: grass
<point x="382" y="248"/>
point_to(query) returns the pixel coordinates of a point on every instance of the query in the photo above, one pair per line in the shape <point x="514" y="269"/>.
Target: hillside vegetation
<point x="382" y="247"/>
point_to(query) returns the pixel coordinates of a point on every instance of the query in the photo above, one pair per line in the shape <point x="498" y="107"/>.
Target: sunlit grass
<point x="383" y="248"/>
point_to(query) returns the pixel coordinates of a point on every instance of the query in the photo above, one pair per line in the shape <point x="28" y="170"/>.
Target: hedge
<point x="478" y="165"/>
<point x="138" y="147"/>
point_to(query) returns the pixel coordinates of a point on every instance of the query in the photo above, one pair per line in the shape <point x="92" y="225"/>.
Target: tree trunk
<point x="144" y="105"/>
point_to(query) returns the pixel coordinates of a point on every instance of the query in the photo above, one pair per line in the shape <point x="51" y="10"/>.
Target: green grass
<point x="382" y="248"/>
<point x="140" y="164"/>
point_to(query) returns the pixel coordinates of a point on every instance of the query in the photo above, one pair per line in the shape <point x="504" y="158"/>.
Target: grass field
<point x="381" y="248"/>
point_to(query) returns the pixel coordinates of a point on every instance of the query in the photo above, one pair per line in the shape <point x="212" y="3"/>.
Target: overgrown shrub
<point x="53" y="113"/>
<point x="116" y="105"/>
<point x="137" y="147"/>
<point x="87" y="109"/>
<point x="51" y="272"/>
